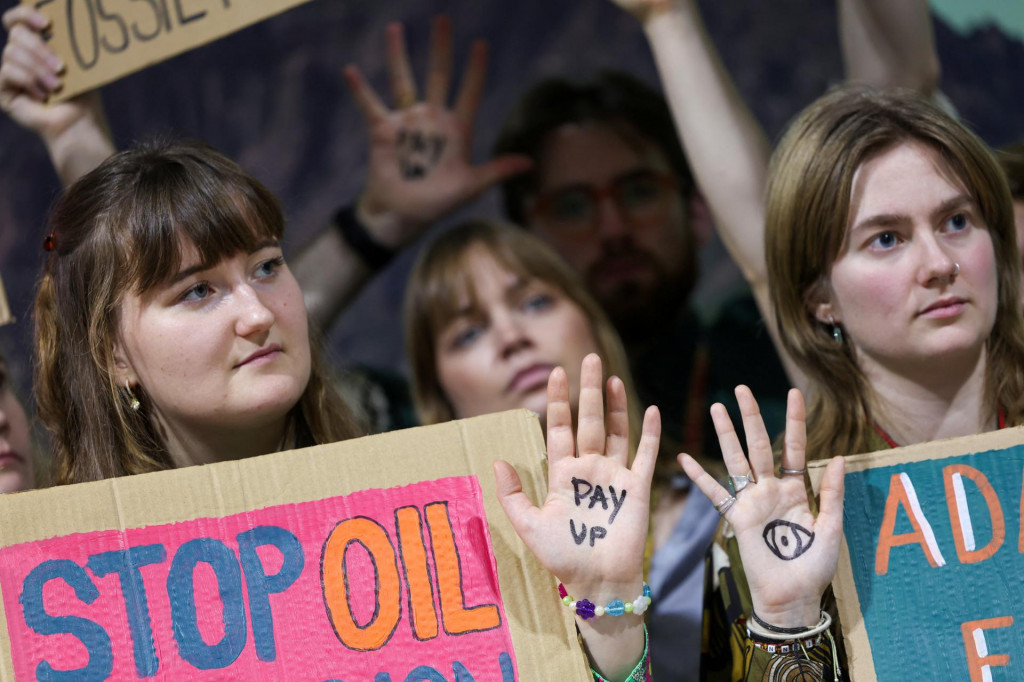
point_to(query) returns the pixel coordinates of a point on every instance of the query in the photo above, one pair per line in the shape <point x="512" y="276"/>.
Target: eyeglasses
<point x="641" y="197"/>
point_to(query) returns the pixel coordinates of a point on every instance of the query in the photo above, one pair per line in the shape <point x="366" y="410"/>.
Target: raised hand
<point x="74" y="131"/>
<point x="592" y="528"/>
<point x="645" y="9"/>
<point x="789" y="555"/>
<point x="420" y="167"/>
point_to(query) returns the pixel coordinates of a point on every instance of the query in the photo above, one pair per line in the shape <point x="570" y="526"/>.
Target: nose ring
<point x="956" y="270"/>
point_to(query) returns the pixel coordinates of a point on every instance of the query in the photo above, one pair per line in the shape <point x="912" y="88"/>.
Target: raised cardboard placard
<point x="5" y="308"/>
<point x="381" y="559"/>
<point x="931" y="571"/>
<point x="103" y="40"/>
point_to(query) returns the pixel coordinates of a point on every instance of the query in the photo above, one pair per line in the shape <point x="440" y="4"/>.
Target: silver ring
<point x="795" y="472"/>
<point x="738" y="483"/>
<point x="956" y="270"/>
<point x="725" y="505"/>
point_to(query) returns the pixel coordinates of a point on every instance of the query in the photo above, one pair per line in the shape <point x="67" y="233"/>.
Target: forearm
<point x="82" y="146"/>
<point x="726" y="147"/>
<point x="886" y="43"/>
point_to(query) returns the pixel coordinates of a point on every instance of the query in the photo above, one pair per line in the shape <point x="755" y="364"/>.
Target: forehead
<point x="594" y="154"/>
<point x="909" y="178"/>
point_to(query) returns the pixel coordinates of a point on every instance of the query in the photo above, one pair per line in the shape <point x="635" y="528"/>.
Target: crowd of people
<point x="879" y="240"/>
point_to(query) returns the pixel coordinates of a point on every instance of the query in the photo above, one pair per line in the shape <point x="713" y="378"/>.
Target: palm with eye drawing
<point x="420" y="167"/>
<point x="590" y="483"/>
<point x="789" y="555"/>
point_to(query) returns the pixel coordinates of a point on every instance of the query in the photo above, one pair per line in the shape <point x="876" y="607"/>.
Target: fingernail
<point x="56" y="64"/>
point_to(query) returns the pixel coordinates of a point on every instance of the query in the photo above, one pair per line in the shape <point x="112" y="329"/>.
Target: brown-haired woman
<point x="490" y="311"/>
<point x="16" y="464"/>
<point x="895" y="277"/>
<point x="169" y="332"/>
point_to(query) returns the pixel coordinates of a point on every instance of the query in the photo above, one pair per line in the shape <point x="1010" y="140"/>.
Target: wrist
<point x="793" y="615"/>
<point x="388" y="228"/>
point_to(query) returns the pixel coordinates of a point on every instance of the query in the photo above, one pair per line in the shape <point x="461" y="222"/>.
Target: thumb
<point x="517" y="506"/>
<point x="498" y="170"/>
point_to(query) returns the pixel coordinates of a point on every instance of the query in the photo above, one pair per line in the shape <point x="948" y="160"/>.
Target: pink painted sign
<point x="378" y="586"/>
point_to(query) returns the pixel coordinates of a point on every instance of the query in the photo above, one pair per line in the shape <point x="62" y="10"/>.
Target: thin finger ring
<point x="795" y="472"/>
<point x="738" y="483"/>
<point x="725" y="505"/>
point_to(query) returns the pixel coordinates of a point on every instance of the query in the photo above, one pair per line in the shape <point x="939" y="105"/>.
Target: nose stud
<point x="956" y="270"/>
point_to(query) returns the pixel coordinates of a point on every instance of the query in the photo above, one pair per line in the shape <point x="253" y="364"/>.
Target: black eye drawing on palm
<point x="787" y="540"/>
<point x="418" y="152"/>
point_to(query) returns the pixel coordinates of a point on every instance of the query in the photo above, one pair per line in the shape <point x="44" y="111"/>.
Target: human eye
<point x="200" y="291"/>
<point x="639" y="190"/>
<point x="884" y="241"/>
<point x="538" y="302"/>
<point x="269" y="267"/>
<point x="570" y="205"/>
<point x="958" y="222"/>
<point x="465" y="335"/>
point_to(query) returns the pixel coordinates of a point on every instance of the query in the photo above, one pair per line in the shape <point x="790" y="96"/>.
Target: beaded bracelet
<point x="586" y="609"/>
<point x="791" y="647"/>
<point x="755" y="627"/>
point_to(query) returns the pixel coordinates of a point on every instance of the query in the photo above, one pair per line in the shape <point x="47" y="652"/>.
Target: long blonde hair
<point x="120" y="229"/>
<point x="808" y="210"/>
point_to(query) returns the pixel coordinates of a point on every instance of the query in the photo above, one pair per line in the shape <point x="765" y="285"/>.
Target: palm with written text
<point x="789" y="555"/>
<point x="420" y="167"/>
<point x="607" y="564"/>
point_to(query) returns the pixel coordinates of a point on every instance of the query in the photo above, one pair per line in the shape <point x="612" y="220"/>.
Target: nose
<point x="938" y="266"/>
<point x="611" y="221"/>
<point x="254" y="316"/>
<point x="511" y="334"/>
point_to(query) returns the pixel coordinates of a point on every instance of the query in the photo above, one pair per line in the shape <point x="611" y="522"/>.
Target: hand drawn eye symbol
<point x="787" y="540"/>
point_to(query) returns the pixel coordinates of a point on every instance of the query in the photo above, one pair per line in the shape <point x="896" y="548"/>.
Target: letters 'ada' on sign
<point x="379" y="559"/>
<point x="931" y="570"/>
<point x="103" y="40"/>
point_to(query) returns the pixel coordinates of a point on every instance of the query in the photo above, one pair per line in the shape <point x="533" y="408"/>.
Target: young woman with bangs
<point x="170" y="332"/>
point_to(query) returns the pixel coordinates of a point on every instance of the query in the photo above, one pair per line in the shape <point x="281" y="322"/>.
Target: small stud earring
<point x="837" y="331"/>
<point x="133" y="402"/>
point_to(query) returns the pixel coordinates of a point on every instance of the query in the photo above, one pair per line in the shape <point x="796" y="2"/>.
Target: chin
<point x="15" y="480"/>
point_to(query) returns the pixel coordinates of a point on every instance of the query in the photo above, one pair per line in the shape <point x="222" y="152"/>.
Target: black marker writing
<point x="787" y="540"/>
<point x="596" y="533"/>
<point x="418" y="152"/>
<point x="582" y="489"/>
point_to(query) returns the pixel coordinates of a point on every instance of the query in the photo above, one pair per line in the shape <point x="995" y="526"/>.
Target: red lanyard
<point x="1001" y="416"/>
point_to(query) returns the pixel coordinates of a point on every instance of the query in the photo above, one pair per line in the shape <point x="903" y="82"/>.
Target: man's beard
<point x="641" y="311"/>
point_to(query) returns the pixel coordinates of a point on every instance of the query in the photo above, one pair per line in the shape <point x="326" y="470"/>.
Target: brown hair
<point x="440" y="276"/>
<point x="1011" y="158"/>
<point x="808" y="209"/>
<point x="120" y="229"/>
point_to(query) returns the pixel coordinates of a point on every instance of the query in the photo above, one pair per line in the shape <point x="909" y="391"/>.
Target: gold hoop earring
<point x="133" y="402"/>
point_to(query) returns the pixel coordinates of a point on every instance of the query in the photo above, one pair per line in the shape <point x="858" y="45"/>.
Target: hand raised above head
<point x="789" y="555"/>
<point x="420" y="167"/>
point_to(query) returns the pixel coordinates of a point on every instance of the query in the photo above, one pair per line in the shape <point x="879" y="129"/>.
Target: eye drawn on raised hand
<point x="787" y="540"/>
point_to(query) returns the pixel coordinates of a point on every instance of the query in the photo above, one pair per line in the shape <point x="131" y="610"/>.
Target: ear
<point x="123" y="370"/>
<point x="820" y="304"/>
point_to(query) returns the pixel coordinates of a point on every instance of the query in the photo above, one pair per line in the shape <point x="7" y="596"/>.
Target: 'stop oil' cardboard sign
<point x="103" y="40"/>
<point x="930" y="574"/>
<point x="381" y="559"/>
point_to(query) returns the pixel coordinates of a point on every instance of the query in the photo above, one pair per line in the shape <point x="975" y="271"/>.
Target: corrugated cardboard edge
<point x="541" y="629"/>
<point x="858" y="648"/>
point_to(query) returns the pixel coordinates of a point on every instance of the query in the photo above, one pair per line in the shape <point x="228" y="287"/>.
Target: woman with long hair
<point x="170" y="332"/>
<point x="895" y="277"/>
<point x="490" y="311"/>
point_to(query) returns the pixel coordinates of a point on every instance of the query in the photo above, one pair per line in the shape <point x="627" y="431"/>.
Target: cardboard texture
<point x="5" y="308"/>
<point x="930" y="570"/>
<point x="103" y="40"/>
<point x="380" y="559"/>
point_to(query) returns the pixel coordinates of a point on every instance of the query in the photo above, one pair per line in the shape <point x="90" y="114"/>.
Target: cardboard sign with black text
<point x="103" y="40"/>
<point x="382" y="559"/>
<point x="931" y="571"/>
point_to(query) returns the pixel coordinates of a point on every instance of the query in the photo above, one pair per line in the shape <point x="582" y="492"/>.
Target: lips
<point x="948" y="306"/>
<point x="265" y="354"/>
<point x="9" y="457"/>
<point x="529" y="378"/>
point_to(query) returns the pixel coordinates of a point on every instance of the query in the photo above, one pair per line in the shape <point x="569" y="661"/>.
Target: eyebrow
<point x="511" y="290"/>
<point x="893" y="219"/>
<point x="199" y="267"/>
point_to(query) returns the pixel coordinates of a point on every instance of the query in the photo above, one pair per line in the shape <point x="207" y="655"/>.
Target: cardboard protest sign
<point x="382" y="559"/>
<point x="930" y="575"/>
<point x="103" y="40"/>
<point x="5" y="308"/>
